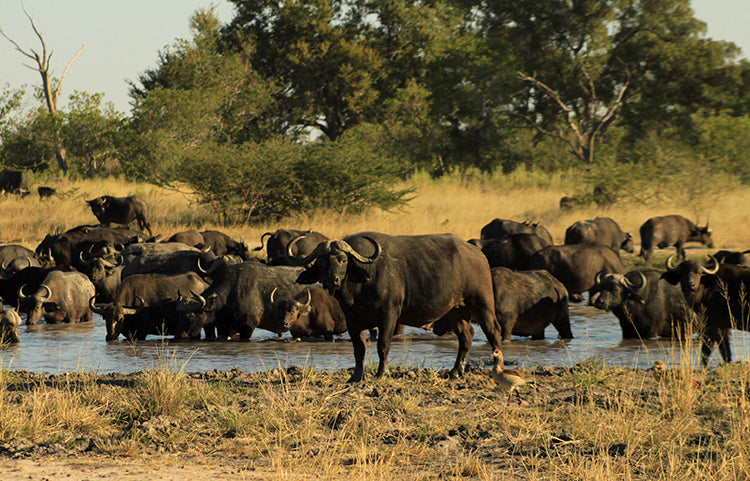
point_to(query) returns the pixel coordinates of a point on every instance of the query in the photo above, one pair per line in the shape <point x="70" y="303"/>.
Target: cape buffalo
<point x="645" y="304"/>
<point x="718" y="295"/>
<point x="10" y="321"/>
<point x="138" y="292"/>
<point x="312" y="313"/>
<point x="240" y="300"/>
<point x="222" y="245"/>
<point x="499" y="228"/>
<point x="192" y="238"/>
<point x="62" y="297"/>
<point x="513" y="251"/>
<point x="526" y="302"/>
<point x="576" y="265"/>
<point x="13" y="182"/>
<point x="381" y="281"/>
<point x="672" y="230"/>
<point x="601" y="231"/>
<point x="66" y="248"/>
<point x="175" y="263"/>
<point x="278" y="240"/>
<point x="121" y="210"/>
<point x="11" y="251"/>
<point x="733" y="257"/>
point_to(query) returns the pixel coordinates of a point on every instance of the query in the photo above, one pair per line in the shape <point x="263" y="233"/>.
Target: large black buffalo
<point x="134" y="297"/>
<point x="733" y="257"/>
<point x="672" y="230"/>
<point x="178" y="262"/>
<point x="381" y="281"/>
<point x="718" y="293"/>
<point x="499" y="228"/>
<point x="577" y="265"/>
<point x="645" y="304"/>
<point x="121" y="210"/>
<point x="527" y="302"/>
<point x="513" y="251"/>
<point x="66" y="248"/>
<point x="13" y="182"/>
<point x="602" y="231"/>
<point x="278" y="240"/>
<point x="312" y="313"/>
<point x="62" y="297"/>
<point x="241" y="298"/>
<point x="223" y="245"/>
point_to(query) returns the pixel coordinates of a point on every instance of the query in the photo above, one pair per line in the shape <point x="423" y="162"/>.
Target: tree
<point x="588" y="65"/>
<point x="50" y="87"/>
<point x="313" y="50"/>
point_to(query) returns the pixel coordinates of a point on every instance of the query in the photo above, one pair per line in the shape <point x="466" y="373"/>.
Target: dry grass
<point x="451" y="204"/>
<point x="591" y="421"/>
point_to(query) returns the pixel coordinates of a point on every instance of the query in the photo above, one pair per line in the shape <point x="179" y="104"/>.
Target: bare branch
<point x="59" y="83"/>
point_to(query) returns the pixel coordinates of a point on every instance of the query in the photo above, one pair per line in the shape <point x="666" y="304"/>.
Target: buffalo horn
<point x="49" y="291"/>
<point x="309" y="298"/>
<point x="302" y="261"/>
<point x="598" y="277"/>
<point x="200" y="298"/>
<point x="359" y="257"/>
<point x="715" y="266"/>
<point x="21" y="295"/>
<point x="273" y="292"/>
<point x="95" y="307"/>
<point x="626" y="282"/>
<point x="4" y="264"/>
<point x="84" y="261"/>
<point x="669" y="262"/>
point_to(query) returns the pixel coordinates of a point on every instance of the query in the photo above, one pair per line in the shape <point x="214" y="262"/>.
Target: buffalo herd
<point x="513" y="280"/>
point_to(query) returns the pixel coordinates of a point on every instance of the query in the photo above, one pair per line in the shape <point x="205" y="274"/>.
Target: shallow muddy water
<point x="81" y="347"/>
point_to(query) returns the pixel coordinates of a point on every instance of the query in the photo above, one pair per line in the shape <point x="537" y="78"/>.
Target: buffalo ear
<point x="357" y="273"/>
<point x="309" y="275"/>
<point x="671" y="276"/>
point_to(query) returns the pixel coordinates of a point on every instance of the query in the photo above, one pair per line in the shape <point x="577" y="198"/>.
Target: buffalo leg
<point x="465" y="333"/>
<point x="562" y="324"/>
<point x="358" y="342"/>
<point x="388" y="325"/>
<point x="484" y="314"/>
<point x="724" y="346"/>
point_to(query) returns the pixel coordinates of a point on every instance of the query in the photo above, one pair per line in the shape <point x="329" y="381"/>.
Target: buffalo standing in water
<point x="381" y="281"/>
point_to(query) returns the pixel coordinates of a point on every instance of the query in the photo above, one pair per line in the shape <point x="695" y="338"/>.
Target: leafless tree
<point x="50" y="86"/>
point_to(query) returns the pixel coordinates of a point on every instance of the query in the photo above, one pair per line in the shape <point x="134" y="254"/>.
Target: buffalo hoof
<point x="455" y="373"/>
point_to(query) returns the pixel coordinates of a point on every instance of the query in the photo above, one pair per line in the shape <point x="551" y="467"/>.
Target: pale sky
<point x="123" y="39"/>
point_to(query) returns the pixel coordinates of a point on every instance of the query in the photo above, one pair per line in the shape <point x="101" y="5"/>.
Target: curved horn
<point x="715" y="265"/>
<point x="668" y="264"/>
<point x="302" y="261"/>
<point x="626" y="282"/>
<point x="46" y="288"/>
<point x="84" y="261"/>
<point x="94" y="307"/>
<point x="359" y="257"/>
<point x="20" y="293"/>
<point x="200" y="298"/>
<point x="4" y="264"/>
<point x="309" y="298"/>
<point x="598" y="277"/>
<point x="273" y="292"/>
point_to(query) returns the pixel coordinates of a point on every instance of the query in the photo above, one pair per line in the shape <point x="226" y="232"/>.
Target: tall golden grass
<point x="458" y="204"/>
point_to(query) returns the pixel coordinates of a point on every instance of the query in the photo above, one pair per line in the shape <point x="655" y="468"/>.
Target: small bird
<point x="510" y="380"/>
<point x="661" y="374"/>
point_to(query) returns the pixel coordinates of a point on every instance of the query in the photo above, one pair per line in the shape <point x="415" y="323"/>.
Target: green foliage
<point x="725" y="143"/>
<point x="275" y="178"/>
<point x="658" y="169"/>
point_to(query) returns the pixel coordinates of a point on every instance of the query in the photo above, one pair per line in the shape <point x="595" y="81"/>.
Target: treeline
<point x="294" y="105"/>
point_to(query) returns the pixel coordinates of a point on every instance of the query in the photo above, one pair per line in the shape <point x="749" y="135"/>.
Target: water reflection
<point x="81" y="347"/>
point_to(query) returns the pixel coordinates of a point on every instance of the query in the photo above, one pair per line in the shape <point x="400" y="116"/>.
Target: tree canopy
<point x="294" y="105"/>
